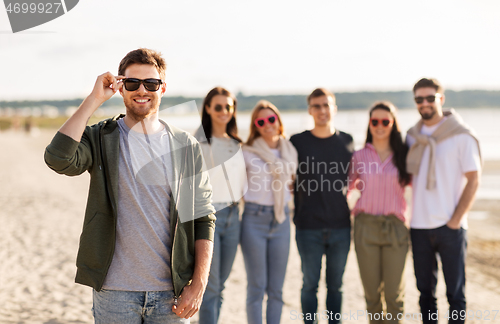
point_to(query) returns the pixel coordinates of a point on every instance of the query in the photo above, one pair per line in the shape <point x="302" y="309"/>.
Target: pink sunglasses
<point x="260" y="122"/>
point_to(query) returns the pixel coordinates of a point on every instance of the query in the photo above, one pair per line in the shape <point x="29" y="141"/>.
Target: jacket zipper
<point x="177" y="222"/>
<point x="108" y="191"/>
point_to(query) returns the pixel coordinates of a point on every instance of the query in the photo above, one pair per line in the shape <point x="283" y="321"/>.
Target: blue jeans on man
<point x="226" y="240"/>
<point x="134" y="307"/>
<point x="451" y="245"/>
<point x="312" y="245"/>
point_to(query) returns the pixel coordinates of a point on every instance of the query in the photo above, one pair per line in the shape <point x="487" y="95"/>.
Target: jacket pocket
<point x="96" y="242"/>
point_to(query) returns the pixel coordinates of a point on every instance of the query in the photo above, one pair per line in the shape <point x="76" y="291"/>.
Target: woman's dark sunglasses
<point x="132" y="84"/>
<point x="430" y="99"/>
<point x="218" y="108"/>
<point x="260" y="122"/>
<point x="384" y="122"/>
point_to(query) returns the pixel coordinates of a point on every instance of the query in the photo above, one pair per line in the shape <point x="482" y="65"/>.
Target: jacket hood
<point x="110" y="124"/>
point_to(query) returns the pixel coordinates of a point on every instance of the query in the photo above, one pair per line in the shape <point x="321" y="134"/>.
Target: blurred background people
<point x="271" y="162"/>
<point x="221" y="149"/>
<point x="322" y="216"/>
<point x="378" y="171"/>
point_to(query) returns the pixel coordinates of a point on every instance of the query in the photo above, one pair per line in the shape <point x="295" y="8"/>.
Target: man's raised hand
<point x="106" y="86"/>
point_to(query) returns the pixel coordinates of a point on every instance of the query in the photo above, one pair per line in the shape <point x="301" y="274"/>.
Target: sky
<point x="258" y="47"/>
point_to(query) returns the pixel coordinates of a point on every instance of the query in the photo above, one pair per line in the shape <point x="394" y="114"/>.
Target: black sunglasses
<point x="384" y="122"/>
<point x="430" y="99"/>
<point x="132" y="84"/>
<point x="218" y="108"/>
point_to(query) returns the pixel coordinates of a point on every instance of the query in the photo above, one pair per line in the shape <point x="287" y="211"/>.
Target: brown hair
<point x="143" y="56"/>
<point x="428" y="83"/>
<point x="206" y="121"/>
<point x="319" y="92"/>
<point x="263" y="104"/>
<point x="395" y="141"/>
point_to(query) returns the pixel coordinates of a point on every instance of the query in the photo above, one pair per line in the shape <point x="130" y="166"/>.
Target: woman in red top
<point x="378" y="171"/>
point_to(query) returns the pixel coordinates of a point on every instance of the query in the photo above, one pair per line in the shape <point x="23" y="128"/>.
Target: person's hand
<point x="453" y="224"/>
<point x="291" y="184"/>
<point x="106" y="86"/>
<point x="189" y="301"/>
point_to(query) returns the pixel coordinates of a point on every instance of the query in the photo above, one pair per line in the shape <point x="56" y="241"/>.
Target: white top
<point x="225" y="154"/>
<point x="455" y="156"/>
<point x="428" y="130"/>
<point x="261" y="186"/>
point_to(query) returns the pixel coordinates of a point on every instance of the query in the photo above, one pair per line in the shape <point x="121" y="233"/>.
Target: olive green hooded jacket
<point x="191" y="214"/>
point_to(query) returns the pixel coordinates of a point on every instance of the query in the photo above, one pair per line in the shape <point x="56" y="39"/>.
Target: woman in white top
<point x="223" y="158"/>
<point x="271" y="161"/>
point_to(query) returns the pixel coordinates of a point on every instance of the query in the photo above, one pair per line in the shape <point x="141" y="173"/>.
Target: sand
<point x="41" y="216"/>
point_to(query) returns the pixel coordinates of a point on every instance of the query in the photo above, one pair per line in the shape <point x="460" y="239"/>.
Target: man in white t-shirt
<point x="445" y="160"/>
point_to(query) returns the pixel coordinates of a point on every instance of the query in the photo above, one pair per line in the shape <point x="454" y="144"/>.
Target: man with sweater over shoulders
<point x="146" y="243"/>
<point x="322" y="216"/>
<point x="445" y="161"/>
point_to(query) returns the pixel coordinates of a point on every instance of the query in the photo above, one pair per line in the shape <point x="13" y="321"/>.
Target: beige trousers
<point x="381" y="244"/>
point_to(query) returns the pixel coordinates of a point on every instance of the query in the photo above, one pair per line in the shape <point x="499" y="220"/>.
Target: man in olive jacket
<point x="147" y="238"/>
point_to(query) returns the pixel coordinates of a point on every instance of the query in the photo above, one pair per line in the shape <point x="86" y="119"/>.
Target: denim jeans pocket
<point x="251" y="210"/>
<point x="250" y="213"/>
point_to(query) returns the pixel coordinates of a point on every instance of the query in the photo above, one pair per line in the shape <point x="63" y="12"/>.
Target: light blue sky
<point x="258" y="47"/>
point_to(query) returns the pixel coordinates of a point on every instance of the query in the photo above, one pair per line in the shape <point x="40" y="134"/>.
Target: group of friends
<point x="167" y="210"/>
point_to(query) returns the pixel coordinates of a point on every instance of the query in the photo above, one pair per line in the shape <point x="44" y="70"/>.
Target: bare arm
<point x="466" y="200"/>
<point x="291" y="185"/>
<point x="105" y="87"/>
<point x="192" y="295"/>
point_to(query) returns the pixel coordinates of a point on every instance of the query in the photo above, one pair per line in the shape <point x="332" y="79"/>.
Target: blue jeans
<point x="134" y="307"/>
<point x="312" y="245"/>
<point x="226" y="239"/>
<point x="451" y="245"/>
<point x="265" y="245"/>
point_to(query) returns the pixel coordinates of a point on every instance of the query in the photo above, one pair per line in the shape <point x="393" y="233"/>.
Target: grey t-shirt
<point x="141" y="261"/>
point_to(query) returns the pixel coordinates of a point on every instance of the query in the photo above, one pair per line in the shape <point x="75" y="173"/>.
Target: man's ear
<point x="309" y="110"/>
<point x="442" y="99"/>
<point x="120" y="89"/>
<point x="163" y="88"/>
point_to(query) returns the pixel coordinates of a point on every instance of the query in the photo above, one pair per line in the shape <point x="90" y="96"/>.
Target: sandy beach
<point x="41" y="216"/>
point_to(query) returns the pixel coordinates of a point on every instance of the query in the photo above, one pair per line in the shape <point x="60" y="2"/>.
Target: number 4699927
<point x="34" y="7"/>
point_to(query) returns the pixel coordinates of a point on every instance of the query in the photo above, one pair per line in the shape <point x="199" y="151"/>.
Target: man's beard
<point x="137" y="114"/>
<point x="140" y="116"/>
<point x="429" y="115"/>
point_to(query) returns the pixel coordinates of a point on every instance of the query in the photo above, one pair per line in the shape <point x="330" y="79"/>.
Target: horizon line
<point x="241" y="93"/>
